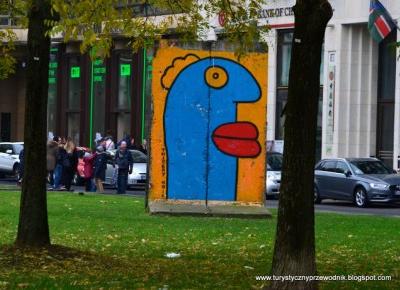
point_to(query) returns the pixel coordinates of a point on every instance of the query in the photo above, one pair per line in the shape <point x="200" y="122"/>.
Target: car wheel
<point x="317" y="198"/>
<point x="360" y="197"/>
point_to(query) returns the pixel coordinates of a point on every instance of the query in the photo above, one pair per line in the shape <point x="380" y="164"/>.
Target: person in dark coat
<point x="143" y="147"/>
<point x="126" y="139"/>
<point x="58" y="170"/>
<point x="70" y="163"/>
<point x="132" y="144"/>
<point x="21" y="166"/>
<point x="124" y="161"/>
<point x="100" y="167"/>
<point x="51" y="158"/>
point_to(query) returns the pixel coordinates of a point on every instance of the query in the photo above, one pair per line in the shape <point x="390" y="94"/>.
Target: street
<point x="348" y="208"/>
<point x="333" y="206"/>
<point x="107" y="189"/>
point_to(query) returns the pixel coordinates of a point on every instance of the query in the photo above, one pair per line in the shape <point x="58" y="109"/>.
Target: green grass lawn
<point x="119" y="246"/>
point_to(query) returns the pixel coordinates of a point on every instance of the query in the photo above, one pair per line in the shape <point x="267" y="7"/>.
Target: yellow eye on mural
<point x="216" y="77"/>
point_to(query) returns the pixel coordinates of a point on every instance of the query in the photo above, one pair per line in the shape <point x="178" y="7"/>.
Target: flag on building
<point x="380" y="22"/>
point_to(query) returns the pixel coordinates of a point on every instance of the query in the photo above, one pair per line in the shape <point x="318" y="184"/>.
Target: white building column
<point x="396" y="147"/>
<point x="356" y="92"/>
<point x="328" y="111"/>
<point x="272" y="40"/>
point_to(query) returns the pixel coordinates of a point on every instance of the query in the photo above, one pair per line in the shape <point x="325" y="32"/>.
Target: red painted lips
<point x="237" y="139"/>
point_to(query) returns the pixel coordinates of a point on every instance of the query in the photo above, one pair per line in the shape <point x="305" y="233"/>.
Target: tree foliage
<point x="7" y="46"/>
<point x="96" y="22"/>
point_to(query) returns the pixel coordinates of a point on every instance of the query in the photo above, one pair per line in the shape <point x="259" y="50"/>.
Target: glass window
<point x="387" y="68"/>
<point x="123" y="125"/>
<point x="386" y="126"/>
<point x="125" y="82"/>
<point x="140" y="9"/>
<point x="370" y="167"/>
<point x="124" y="95"/>
<point x="4" y="21"/>
<point x="274" y="162"/>
<point x="341" y="167"/>
<point x="74" y="84"/>
<point x="386" y="98"/>
<point x="74" y="126"/>
<point x="329" y="166"/>
<point x="281" y="100"/>
<point x="18" y="148"/>
<point x="74" y="99"/>
<point x="5" y="147"/>
<point x="52" y="94"/>
<point x="99" y="97"/>
<point x="284" y="56"/>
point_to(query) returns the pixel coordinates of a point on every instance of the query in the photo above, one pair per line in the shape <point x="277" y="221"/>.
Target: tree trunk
<point x="33" y="228"/>
<point x="294" y="252"/>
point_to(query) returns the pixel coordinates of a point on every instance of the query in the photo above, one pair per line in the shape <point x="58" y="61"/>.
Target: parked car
<point x="274" y="167"/>
<point x="361" y="180"/>
<point x="9" y="158"/>
<point x="138" y="177"/>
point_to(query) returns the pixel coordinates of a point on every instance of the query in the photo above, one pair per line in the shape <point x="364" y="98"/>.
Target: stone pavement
<point x="161" y="207"/>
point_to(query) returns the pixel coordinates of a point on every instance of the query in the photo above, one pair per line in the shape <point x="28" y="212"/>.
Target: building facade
<point x="86" y="97"/>
<point x="360" y="81"/>
<point x="359" y="94"/>
<point x="89" y="97"/>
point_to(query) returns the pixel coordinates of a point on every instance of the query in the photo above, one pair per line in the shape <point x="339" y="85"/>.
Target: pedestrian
<point x="80" y="169"/>
<point x="85" y="169"/>
<point x="89" y="166"/>
<point x="51" y="157"/>
<point x="143" y="147"/>
<point x="127" y="139"/>
<point x="98" y="138"/>
<point x="124" y="161"/>
<point x="109" y="143"/>
<point x="21" y="166"/>
<point x="100" y="167"/>
<point x="132" y="145"/>
<point x="70" y="163"/>
<point x="58" y="170"/>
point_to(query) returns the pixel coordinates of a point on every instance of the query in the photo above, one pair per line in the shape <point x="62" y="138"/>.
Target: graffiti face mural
<point x="202" y="135"/>
<point x="205" y="138"/>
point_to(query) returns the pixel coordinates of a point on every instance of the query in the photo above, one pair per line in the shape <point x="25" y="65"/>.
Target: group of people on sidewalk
<point x="65" y="160"/>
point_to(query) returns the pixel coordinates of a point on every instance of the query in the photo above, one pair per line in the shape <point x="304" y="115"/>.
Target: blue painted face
<point x="203" y="138"/>
<point x="231" y="80"/>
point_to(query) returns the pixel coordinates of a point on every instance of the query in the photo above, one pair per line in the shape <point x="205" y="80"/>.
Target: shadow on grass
<point x="55" y="259"/>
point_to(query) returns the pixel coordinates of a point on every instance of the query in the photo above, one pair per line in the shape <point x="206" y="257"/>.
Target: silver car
<point x="361" y="180"/>
<point x="138" y="177"/>
<point x="9" y="157"/>
<point x="274" y="167"/>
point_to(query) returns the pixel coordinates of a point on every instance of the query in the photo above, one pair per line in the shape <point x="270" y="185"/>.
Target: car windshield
<point x="18" y="148"/>
<point x="138" y="157"/>
<point x="274" y="162"/>
<point x="370" y="167"/>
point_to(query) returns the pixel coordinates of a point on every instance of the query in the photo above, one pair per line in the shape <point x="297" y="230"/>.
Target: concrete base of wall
<point x="184" y="208"/>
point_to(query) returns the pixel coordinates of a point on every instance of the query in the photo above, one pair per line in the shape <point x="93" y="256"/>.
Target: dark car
<point x="361" y="180"/>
